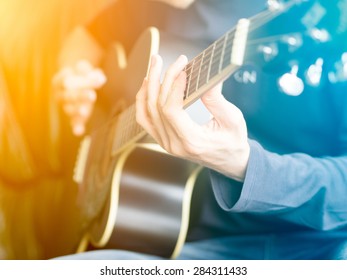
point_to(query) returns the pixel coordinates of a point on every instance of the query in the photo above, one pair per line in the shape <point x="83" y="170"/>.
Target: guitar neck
<point x="128" y="130"/>
<point x="210" y="67"/>
<point x="216" y="62"/>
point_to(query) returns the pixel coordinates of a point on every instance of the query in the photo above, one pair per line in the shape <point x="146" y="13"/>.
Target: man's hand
<point x="76" y="90"/>
<point x="220" y="144"/>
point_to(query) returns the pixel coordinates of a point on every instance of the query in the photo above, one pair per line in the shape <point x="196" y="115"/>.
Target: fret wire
<point x="210" y="62"/>
<point x="222" y="54"/>
<point x="122" y="121"/>
<point x="194" y="74"/>
<point x="205" y="66"/>
<point x="127" y="127"/>
<point x="226" y="57"/>
<point x="215" y="47"/>
<point x="216" y="57"/>
<point x="127" y="131"/>
<point x="132" y="120"/>
<point x="188" y="71"/>
<point x="191" y="89"/>
<point x="189" y="66"/>
<point x="199" y="71"/>
<point x="117" y="138"/>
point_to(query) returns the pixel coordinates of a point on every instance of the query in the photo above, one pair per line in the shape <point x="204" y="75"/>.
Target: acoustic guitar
<point x="147" y="191"/>
<point x="137" y="197"/>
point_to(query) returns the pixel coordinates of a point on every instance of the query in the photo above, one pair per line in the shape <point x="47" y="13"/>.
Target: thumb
<point x="224" y="112"/>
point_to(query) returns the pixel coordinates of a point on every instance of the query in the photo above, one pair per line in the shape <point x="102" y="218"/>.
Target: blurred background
<point x="38" y="219"/>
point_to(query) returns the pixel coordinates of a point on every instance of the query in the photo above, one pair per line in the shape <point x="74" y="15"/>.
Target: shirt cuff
<point x="232" y="195"/>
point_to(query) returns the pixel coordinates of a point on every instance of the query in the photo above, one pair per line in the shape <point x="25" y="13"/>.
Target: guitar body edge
<point x="150" y="212"/>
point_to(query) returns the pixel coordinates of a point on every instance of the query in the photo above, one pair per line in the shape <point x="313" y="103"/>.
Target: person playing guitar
<point x="276" y="141"/>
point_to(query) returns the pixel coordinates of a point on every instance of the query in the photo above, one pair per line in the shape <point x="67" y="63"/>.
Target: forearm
<point x="311" y="191"/>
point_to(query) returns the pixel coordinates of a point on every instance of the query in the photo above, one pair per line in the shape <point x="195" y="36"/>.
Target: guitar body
<point x="138" y="198"/>
<point x="149" y="208"/>
<point x="126" y="73"/>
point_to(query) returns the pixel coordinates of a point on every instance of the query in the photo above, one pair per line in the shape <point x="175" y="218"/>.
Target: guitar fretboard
<point x="209" y="63"/>
<point x="211" y="66"/>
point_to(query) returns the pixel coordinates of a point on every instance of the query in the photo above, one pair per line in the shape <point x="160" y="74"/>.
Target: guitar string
<point x="129" y="116"/>
<point x="137" y="129"/>
<point x="194" y="73"/>
<point x="218" y="48"/>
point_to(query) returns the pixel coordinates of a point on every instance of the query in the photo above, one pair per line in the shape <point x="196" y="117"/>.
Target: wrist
<point x="242" y="163"/>
<point x="231" y="163"/>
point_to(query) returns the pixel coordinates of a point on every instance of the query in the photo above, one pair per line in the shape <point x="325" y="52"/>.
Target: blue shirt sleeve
<point x="302" y="189"/>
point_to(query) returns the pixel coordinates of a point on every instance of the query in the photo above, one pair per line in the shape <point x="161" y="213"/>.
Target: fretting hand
<point x="220" y="144"/>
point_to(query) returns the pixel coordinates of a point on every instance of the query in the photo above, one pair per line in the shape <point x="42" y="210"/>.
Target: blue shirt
<point x="297" y="174"/>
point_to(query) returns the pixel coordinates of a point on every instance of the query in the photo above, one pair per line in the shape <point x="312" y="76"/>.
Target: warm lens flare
<point x="32" y="151"/>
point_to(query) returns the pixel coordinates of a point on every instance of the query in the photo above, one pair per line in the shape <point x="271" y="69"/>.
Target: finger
<point x="175" y="99"/>
<point x="78" y="127"/>
<point x="83" y="110"/>
<point x="96" y="78"/>
<point x="153" y="91"/>
<point x="77" y="96"/>
<point x="153" y="85"/>
<point x="177" y="119"/>
<point x="170" y="76"/>
<point x="79" y="116"/>
<point x="142" y="116"/>
<point x="169" y="137"/>
<point x="92" y="80"/>
<point x="75" y="82"/>
<point x="77" y="120"/>
<point x="180" y="128"/>
<point x="85" y="96"/>
<point x="225" y="113"/>
<point x="79" y="108"/>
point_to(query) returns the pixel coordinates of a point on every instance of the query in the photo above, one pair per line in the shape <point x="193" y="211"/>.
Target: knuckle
<point x="138" y="117"/>
<point x="168" y="111"/>
<point x="151" y="109"/>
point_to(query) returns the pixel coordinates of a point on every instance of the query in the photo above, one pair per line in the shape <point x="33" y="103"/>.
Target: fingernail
<point x="153" y="60"/>
<point x="182" y="58"/>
